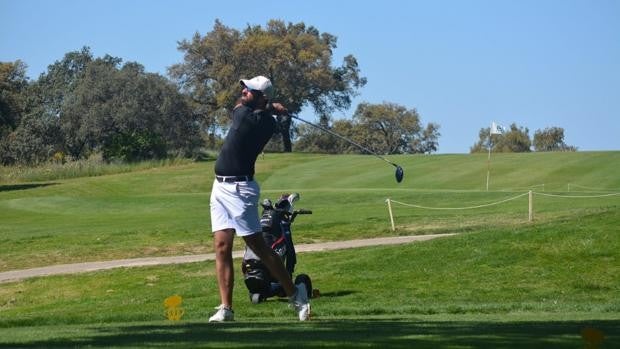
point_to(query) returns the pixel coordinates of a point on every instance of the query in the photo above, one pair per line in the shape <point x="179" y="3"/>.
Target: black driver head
<point x="399" y="174"/>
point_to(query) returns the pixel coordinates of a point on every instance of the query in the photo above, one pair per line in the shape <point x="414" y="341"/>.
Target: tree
<point x="385" y="128"/>
<point x="13" y="83"/>
<point x="127" y="114"/>
<point x="84" y="105"/>
<point x="297" y="58"/>
<point x="61" y="78"/>
<point x="551" y="139"/>
<point x="34" y="141"/>
<point x="349" y="129"/>
<point x="515" y="140"/>
<point x="313" y="140"/>
<point x="29" y="134"/>
<point x="44" y="101"/>
<point x="429" y="140"/>
<point x="85" y="114"/>
<point x="484" y="141"/>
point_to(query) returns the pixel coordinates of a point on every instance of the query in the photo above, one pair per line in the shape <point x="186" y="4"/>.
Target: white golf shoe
<point x="300" y="302"/>
<point x="223" y="314"/>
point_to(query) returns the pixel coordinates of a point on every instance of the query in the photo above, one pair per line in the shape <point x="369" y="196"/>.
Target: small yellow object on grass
<point x="173" y="310"/>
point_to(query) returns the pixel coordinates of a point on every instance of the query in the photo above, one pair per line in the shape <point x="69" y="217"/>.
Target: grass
<point x="502" y="283"/>
<point x="75" y="169"/>
<point x="346" y="333"/>
<point x="494" y="288"/>
<point x="164" y="210"/>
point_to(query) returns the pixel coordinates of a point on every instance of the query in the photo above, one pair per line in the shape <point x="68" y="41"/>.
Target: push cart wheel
<point x="255" y="298"/>
<point x="305" y="279"/>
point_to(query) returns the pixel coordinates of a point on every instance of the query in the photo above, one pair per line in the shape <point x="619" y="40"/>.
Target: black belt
<point x="233" y="179"/>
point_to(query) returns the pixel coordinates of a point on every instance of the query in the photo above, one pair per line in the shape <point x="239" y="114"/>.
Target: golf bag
<point x="276" y="221"/>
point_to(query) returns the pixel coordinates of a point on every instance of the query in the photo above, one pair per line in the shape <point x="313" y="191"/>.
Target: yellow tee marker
<point x="173" y="310"/>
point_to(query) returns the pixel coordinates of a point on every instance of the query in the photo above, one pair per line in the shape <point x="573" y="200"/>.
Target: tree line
<point x="516" y="139"/>
<point x="85" y="105"/>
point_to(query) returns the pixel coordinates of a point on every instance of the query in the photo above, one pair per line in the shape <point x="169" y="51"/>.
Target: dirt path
<point x="16" y="275"/>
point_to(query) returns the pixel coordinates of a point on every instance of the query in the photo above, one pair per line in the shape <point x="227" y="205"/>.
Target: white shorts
<point x="235" y="206"/>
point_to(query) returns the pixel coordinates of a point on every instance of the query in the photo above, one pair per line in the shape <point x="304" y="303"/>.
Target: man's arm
<point x="277" y="109"/>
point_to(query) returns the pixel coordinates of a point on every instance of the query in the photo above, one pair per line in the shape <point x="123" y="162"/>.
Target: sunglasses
<point x="254" y="92"/>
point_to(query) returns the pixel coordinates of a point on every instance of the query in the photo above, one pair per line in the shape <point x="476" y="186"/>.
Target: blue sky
<point x="461" y="64"/>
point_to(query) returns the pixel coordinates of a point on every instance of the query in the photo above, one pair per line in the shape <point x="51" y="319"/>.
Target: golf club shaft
<point x="344" y="139"/>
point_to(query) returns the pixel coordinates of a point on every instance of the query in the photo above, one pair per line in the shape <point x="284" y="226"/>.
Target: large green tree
<point x="551" y="139"/>
<point x="297" y="58"/>
<point x="126" y="113"/>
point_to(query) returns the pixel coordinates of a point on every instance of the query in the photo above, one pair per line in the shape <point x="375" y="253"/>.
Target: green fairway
<point x="503" y="282"/>
<point x="545" y="268"/>
<point x="165" y="211"/>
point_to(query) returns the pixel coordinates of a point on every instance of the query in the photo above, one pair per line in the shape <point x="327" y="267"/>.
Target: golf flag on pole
<point x="496" y="129"/>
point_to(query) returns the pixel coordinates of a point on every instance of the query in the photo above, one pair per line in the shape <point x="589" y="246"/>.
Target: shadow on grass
<point x="11" y="187"/>
<point x="337" y="294"/>
<point x="342" y="334"/>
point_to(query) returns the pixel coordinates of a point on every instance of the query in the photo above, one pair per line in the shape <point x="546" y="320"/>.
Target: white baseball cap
<point x="259" y="83"/>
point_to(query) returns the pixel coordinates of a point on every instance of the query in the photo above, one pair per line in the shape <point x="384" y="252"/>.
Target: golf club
<point x="399" y="170"/>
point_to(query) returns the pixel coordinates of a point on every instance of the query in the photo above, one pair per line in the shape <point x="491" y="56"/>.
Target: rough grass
<point x="17" y="175"/>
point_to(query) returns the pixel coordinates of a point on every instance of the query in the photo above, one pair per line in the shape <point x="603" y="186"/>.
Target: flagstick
<point x="489" y="160"/>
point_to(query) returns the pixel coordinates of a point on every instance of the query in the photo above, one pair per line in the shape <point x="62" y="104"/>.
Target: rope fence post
<point x="389" y="204"/>
<point x="530" y="207"/>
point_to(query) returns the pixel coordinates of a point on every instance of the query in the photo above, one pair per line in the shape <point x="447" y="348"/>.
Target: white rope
<point x="576" y="196"/>
<point x="570" y="185"/>
<point x="459" y="208"/>
<point x="522" y="188"/>
<point x="532" y="186"/>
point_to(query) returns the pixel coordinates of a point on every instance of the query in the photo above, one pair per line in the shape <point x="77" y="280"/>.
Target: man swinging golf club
<point x="235" y="196"/>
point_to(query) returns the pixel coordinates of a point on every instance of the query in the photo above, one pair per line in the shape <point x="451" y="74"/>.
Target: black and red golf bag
<point x="276" y="221"/>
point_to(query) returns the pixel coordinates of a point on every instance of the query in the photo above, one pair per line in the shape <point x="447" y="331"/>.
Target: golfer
<point x="235" y="196"/>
